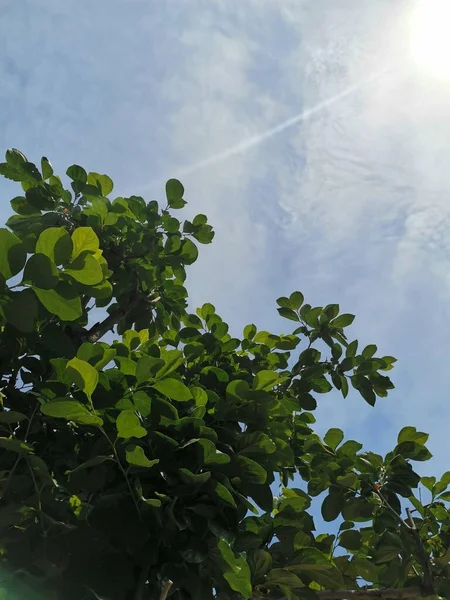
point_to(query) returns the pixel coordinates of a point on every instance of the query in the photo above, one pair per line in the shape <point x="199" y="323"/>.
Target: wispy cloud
<point x="314" y="177"/>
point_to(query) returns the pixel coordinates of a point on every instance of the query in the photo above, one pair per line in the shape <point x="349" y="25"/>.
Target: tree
<point x="144" y="468"/>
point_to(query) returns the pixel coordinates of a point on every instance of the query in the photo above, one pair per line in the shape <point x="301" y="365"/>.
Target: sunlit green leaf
<point x="136" y="456"/>
<point x="71" y="411"/>
<point x="55" y="242"/>
<point x="173" y="388"/>
<point x="128" y="425"/>
<point x="83" y="375"/>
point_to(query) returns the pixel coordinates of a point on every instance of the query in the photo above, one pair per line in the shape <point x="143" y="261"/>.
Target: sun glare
<point x="430" y="37"/>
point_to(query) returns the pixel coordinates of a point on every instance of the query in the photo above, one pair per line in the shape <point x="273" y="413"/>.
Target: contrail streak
<point x="262" y="137"/>
<point x="306" y="114"/>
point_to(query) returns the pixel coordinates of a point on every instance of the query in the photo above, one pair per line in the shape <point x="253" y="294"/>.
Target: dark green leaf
<point x="288" y="313"/>
<point x="22" y="310"/>
<point x="12" y="254"/>
<point x="77" y="173"/>
<point x="296" y="300"/>
<point x="41" y="272"/>
<point x="342" y="321"/>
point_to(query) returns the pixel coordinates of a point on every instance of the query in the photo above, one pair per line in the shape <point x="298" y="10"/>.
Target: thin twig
<point x="423" y="556"/>
<point x="166" y="589"/>
<point x="18" y="459"/>
<point x="124" y="473"/>
<point x="394" y="512"/>
<point x="98" y="330"/>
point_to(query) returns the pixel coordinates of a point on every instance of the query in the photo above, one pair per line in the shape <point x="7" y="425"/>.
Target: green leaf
<point x="62" y="301"/>
<point x="250" y="470"/>
<point x="21" y="206"/>
<point x="223" y="494"/>
<point x="348" y="480"/>
<point x="91" y="462"/>
<point x="146" y="368"/>
<point x="106" y="183"/>
<point x="15" y="158"/>
<point x="55" y="243"/>
<point x="350" y="539"/>
<point x="11" y="416"/>
<point x="333" y="437"/>
<point x="46" y="168"/>
<point x="288" y="313"/>
<point x="284" y="302"/>
<point x="342" y="321"/>
<point x="352" y="348"/>
<point x="85" y="269"/>
<point x="296" y="299"/>
<point x="410" y="434"/>
<point x="192" y="478"/>
<point x="445" y="496"/>
<point x="135" y="456"/>
<point x="369" y="351"/>
<point x="413" y="451"/>
<point x="365" y="569"/>
<point x="189" y="252"/>
<point x="71" y="411"/>
<point x="142" y="402"/>
<point x="128" y="425"/>
<point x="428" y="482"/>
<point x="212" y="456"/>
<point x="330" y="579"/>
<point x="311" y="318"/>
<point x="235" y="570"/>
<point x="172" y="360"/>
<point x="173" y="389"/>
<point x="283" y="577"/>
<point x="265" y="380"/>
<point x="22" y="310"/>
<point x="260" y="562"/>
<point x="84" y="239"/>
<point x="310" y="559"/>
<point x="77" y="173"/>
<point x="250" y="332"/>
<point x="13" y="445"/>
<point x="12" y="254"/>
<point x="83" y="375"/>
<point x="332" y="506"/>
<point x="41" y="272"/>
<point x="174" y="193"/>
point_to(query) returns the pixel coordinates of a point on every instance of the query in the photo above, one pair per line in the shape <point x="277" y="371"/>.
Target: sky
<point x="313" y="133"/>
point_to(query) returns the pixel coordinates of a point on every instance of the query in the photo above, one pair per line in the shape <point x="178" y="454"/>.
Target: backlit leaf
<point x="55" y="242"/>
<point x="174" y="389"/>
<point x="128" y="425"/>
<point x="83" y="375"/>
<point x="71" y="411"/>
<point x="136" y="456"/>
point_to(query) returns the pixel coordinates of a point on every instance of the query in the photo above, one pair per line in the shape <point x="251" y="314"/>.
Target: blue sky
<point x="350" y="204"/>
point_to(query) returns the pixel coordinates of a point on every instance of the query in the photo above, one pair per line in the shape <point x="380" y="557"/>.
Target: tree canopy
<point x="178" y="461"/>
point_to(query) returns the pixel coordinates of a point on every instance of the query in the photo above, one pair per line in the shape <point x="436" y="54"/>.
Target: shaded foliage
<point x="125" y="466"/>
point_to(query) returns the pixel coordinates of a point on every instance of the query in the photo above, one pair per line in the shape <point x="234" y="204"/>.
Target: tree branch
<point x="98" y="330"/>
<point x="166" y="590"/>
<point x="394" y="593"/>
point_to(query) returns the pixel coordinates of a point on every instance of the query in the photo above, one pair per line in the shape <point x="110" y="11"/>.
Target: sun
<point x="430" y="37"/>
